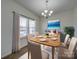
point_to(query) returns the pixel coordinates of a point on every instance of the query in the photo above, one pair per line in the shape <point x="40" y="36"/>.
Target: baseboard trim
<point x="12" y="53"/>
<point x="6" y="56"/>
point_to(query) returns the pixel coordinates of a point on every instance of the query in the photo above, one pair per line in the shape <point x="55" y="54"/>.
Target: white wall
<point x="67" y="18"/>
<point x="75" y="21"/>
<point x="7" y="23"/>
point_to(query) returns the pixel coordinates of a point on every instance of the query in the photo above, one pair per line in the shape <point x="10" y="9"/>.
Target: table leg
<point x="53" y="52"/>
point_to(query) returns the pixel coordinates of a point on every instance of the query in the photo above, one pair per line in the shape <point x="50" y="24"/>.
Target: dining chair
<point x="69" y="53"/>
<point x="37" y="53"/>
<point x="37" y="34"/>
<point x="35" y="50"/>
<point x="66" y="41"/>
<point x="44" y="54"/>
<point x="48" y="50"/>
<point x="28" y="40"/>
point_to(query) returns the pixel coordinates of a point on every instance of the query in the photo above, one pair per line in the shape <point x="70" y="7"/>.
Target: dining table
<point x="52" y="41"/>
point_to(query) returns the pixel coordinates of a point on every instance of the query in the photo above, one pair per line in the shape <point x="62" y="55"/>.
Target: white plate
<point x="42" y="39"/>
<point x="39" y="36"/>
<point x="54" y="38"/>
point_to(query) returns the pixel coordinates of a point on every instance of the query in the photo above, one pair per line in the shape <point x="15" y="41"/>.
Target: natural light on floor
<point x="25" y="56"/>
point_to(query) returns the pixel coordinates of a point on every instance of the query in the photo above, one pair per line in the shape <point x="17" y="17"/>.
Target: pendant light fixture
<point x="47" y="12"/>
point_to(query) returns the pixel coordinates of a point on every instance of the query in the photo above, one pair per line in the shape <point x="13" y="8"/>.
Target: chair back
<point x="66" y="39"/>
<point x="29" y="36"/>
<point x="34" y="48"/>
<point x="72" y="45"/>
<point x="37" y="34"/>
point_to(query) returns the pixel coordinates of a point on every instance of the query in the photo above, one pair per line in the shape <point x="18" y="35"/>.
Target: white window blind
<point x="32" y="26"/>
<point x="23" y="26"/>
<point x="27" y="26"/>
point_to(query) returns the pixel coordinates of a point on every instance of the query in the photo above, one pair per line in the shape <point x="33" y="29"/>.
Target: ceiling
<point x="37" y="6"/>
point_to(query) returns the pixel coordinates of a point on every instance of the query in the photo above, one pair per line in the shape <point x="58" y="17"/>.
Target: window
<point x="32" y="26"/>
<point x="27" y="26"/>
<point x="23" y="26"/>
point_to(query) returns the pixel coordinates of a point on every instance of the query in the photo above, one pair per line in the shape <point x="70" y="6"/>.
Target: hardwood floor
<point x="18" y="55"/>
<point x="23" y="54"/>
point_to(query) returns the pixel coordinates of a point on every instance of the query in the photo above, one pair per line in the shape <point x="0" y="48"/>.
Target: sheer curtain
<point x="15" y="32"/>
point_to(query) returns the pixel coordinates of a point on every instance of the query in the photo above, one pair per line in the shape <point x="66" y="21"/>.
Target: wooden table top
<point x="48" y="41"/>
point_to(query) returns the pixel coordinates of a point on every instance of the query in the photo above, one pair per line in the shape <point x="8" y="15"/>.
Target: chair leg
<point x="28" y="51"/>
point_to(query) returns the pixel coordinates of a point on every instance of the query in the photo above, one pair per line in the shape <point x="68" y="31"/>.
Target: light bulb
<point x="45" y="11"/>
<point x="42" y="13"/>
<point x="51" y="11"/>
<point x="50" y="14"/>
